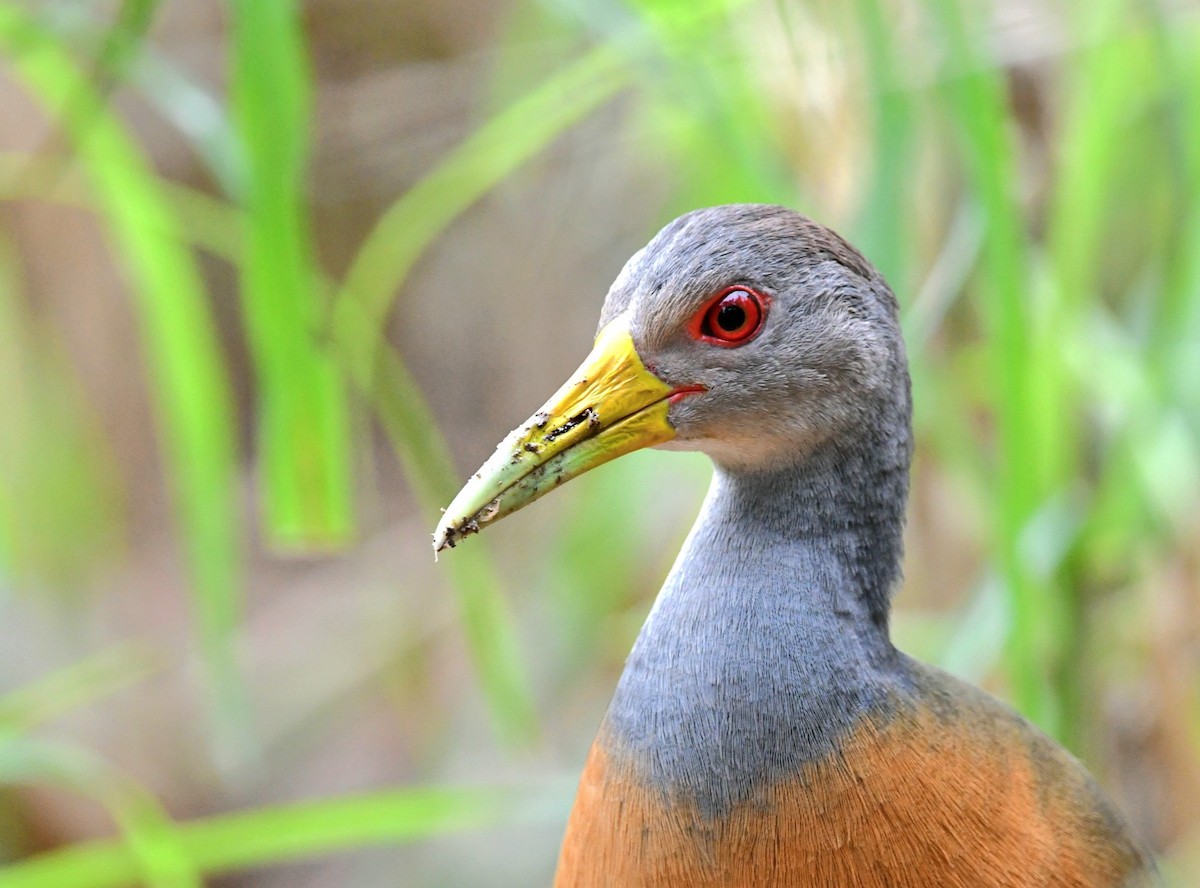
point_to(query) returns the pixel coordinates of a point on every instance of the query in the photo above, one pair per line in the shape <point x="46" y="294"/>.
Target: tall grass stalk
<point x="363" y="303"/>
<point x="189" y="382"/>
<point x="297" y="831"/>
<point x="978" y="111"/>
<point x="150" y="841"/>
<point x="303" y="435"/>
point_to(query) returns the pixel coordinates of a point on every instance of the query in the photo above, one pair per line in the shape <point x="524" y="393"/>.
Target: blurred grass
<point x="293" y="832"/>
<point x="57" y="488"/>
<point x="411" y="223"/>
<point x="186" y="368"/>
<point x="1053" y="332"/>
<point x="979" y="112"/>
<point x="303" y="433"/>
<point x="361" y="307"/>
<point x="80" y="683"/>
<point x="149" y="838"/>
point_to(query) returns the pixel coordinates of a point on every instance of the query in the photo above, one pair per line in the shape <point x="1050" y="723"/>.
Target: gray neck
<point x="769" y="638"/>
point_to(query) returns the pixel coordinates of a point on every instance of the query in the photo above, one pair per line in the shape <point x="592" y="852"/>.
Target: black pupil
<point x="731" y="317"/>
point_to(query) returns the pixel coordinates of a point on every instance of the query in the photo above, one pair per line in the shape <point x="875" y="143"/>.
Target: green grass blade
<point x="197" y="114"/>
<point x="76" y="685"/>
<point x="709" y="111"/>
<point x="1177" y="322"/>
<point x="205" y="222"/>
<point x="976" y="101"/>
<point x="121" y="44"/>
<point x="1106" y="77"/>
<point x="191" y="392"/>
<point x="468" y="172"/>
<point x="1107" y="74"/>
<point x="294" y="832"/>
<point x="303" y="436"/>
<point x="883" y="231"/>
<point x="383" y="262"/>
<point x="60" y="500"/>
<point x="114" y="49"/>
<point x="487" y="624"/>
<point x="126" y="57"/>
<point x="154" y="853"/>
<point x="409" y="424"/>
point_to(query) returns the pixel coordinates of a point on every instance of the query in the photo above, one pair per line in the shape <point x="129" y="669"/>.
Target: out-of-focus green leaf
<point x="152" y="845"/>
<point x="1177" y="322"/>
<point x="362" y="305"/>
<point x="76" y="685"/>
<point x="706" y="110"/>
<point x="60" y="508"/>
<point x="1110" y="72"/>
<point x="488" y="626"/>
<point x="292" y="832"/>
<point x="883" y="233"/>
<point x="206" y="222"/>
<point x="977" y="103"/>
<point x="303" y="431"/>
<point x="468" y="172"/>
<point x="188" y="380"/>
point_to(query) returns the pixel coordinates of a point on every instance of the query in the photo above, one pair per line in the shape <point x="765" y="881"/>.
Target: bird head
<point x="747" y="332"/>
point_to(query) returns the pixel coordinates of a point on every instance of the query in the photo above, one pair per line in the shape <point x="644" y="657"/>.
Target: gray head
<point x="826" y="364"/>
<point x="754" y="335"/>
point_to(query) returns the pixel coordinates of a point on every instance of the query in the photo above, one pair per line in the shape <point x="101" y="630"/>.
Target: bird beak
<point x="611" y="405"/>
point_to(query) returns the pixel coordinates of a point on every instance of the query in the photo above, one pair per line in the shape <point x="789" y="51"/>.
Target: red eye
<point x="732" y="318"/>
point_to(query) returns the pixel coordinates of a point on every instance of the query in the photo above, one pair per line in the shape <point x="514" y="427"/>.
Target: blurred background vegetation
<point x="275" y="276"/>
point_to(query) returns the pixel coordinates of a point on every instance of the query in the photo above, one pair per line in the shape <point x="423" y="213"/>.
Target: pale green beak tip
<point x="479" y="501"/>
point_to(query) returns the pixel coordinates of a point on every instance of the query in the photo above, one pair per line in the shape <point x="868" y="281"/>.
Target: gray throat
<point x="769" y="639"/>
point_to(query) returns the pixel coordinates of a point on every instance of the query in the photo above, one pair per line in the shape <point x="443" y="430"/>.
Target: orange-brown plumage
<point x="950" y="790"/>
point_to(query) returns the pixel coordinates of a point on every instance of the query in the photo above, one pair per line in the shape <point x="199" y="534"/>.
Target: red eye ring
<point x="731" y="318"/>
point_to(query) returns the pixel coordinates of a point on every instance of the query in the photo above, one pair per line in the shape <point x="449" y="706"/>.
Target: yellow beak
<point x="611" y="406"/>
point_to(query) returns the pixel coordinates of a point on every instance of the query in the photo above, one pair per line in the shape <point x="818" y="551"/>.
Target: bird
<point x="765" y="730"/>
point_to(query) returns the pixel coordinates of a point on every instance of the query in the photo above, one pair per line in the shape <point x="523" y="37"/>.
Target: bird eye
<point x="732" y="318"/>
